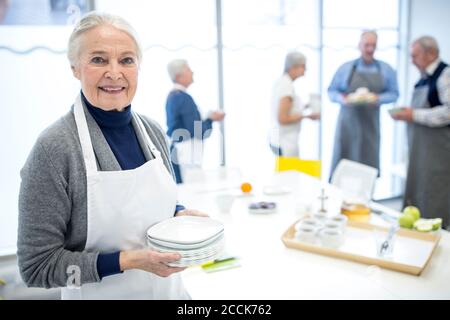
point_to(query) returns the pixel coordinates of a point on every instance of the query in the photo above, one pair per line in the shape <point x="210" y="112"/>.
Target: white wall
<point x="430" y="18"/>
<point x="35" y="90"/>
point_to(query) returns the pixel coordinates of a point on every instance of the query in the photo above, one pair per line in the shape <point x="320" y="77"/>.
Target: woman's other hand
<point x="190" y="212"/>
<point x="313" y="116"/>
<point x="150" y="261"/>
<point x="217" y="115"/>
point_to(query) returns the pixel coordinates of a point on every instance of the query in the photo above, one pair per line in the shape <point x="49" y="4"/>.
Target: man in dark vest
<point x="428" y="118"/>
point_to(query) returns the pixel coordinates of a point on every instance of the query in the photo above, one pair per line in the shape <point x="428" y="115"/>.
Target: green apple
<point x="424" y="225"/>
<point x="437" y="223"/>
<point x="413" y="211"/>
<point x="425" y="228"/>
<point x="427" y="225"/>
<point x="406" y="221"/>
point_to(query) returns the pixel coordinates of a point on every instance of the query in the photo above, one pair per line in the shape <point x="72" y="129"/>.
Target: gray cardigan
<point x="53" y="200"/>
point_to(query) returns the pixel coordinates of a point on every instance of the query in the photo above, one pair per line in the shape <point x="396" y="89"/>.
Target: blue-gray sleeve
<point x="390" y="93"/>
<point x="44" y="213"/>
<point x="338" y="85"/>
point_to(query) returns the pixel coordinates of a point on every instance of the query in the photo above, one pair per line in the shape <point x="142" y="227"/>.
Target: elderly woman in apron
<point x="357" y="135"/>
<point x="288" y="111"/>
<point x="428" y="118"/>
<point x="97" y="179"/>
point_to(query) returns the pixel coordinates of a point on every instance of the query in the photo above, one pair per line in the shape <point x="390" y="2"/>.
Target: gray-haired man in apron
<point x="357" y="135"/>
<point x="428" y="117"/>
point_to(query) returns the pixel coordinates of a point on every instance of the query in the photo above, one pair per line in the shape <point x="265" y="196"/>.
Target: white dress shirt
<point x="285" y="136"/>
<point x="177" y="86"/>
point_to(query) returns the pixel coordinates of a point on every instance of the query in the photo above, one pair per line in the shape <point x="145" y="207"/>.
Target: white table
<point x="269" y="270"/>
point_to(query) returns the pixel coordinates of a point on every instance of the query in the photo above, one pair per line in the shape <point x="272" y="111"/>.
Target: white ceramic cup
<point x="331" y="237"/>
<point x="306" y="233"/>
<point x="224" y="202"/>
<point x="320" y="216"/>
<point x="309" y="222"/>
<point x="339" y="219"/>
<point x="332" y="225"/>
<point x="303" y="209"/>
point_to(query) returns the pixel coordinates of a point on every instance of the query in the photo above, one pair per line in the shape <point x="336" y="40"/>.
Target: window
<point x="341" y="32"/>
<point x="42" y="12"/>
<point x="257" y="36"/>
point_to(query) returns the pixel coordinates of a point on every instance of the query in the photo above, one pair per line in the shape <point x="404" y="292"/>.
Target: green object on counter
<point x="427" y="225"/>
<point x="221" y="264"/>
<point x="395" y="110"/>
<point x="406" y="221"/>
<point x="2" y="283"/>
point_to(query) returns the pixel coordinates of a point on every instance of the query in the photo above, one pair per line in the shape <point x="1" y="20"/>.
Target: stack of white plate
<point x="196" y="239"/>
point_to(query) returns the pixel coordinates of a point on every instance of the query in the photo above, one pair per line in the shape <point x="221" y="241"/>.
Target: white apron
<point x="121" y="206"/>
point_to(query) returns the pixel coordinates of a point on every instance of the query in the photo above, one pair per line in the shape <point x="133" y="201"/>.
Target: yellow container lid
<point x="356" y="212"/>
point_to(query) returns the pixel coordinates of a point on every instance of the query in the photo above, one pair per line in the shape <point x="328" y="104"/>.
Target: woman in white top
<point x="287" y="108"/>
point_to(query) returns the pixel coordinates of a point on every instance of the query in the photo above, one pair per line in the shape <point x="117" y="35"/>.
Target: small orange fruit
<point x="246" y="187"/>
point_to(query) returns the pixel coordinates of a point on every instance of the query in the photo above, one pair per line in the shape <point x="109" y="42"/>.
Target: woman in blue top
<point x="357" y="135"/>
<point x="185" y="125"/>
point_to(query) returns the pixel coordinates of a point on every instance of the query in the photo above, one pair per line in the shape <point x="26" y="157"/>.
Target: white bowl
<point x="331" y="237"/>
<point x="309" y="222"/>
<point x="321" y="216"/>
<point x="225" y="202"/>
<point x="306" y="234"/>
<point x="339" y="219"/>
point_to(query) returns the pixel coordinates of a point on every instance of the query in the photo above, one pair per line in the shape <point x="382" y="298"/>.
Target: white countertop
<point x="269" y="270"/>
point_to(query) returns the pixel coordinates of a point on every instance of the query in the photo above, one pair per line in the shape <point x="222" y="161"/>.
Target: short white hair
<point x="428" y="43"/>
<point x="294" y="58"/>
<point x="367" y="32"/>
<point x="176" y="67"/>
<point x="95" y="19"/>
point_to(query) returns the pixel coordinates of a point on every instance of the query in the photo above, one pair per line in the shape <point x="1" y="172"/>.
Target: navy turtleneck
<point x="120" y="135"/>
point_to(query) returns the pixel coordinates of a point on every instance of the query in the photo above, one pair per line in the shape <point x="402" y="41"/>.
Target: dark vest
<point x="431" y="82"/>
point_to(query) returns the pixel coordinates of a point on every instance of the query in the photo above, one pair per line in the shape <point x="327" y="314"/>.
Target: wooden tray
<point x="411" y="253"/>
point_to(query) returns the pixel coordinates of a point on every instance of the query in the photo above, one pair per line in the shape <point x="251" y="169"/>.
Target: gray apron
<point x="428" y="179"/>
<point x="357" y="135"/>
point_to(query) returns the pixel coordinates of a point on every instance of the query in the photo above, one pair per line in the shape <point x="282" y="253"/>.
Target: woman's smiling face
<point x="107" y="67"/>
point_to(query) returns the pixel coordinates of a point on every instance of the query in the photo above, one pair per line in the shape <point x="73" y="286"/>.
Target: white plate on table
<point x="276" y="191"/>
<point x="262" y="211"/>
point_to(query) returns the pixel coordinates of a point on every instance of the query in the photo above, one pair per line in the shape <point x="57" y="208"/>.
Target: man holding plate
<point x="361" y="86"/>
